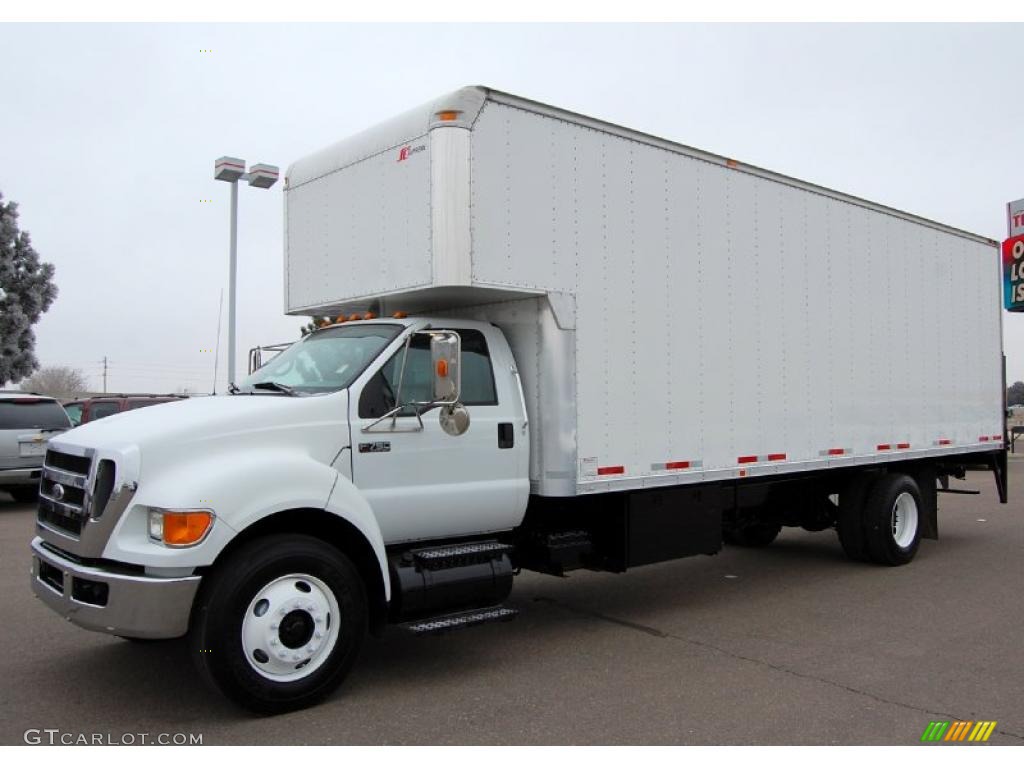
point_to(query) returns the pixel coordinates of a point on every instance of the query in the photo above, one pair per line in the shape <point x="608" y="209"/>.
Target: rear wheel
<point x="850" y="517"/>
<point x="892" y="518"/>
<point x="280" y="623"/>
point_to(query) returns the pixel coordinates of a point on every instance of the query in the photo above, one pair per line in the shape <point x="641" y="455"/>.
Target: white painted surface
<point x="718" y="310"/>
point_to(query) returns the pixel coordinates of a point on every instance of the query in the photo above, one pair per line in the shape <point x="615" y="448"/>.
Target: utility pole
<point x="104" y="374"/>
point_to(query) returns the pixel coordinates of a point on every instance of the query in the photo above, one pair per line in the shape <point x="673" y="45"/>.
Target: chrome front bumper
<point x="118" y="603"/>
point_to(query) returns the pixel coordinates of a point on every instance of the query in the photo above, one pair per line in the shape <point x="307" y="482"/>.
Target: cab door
<point x="423" y="483"/>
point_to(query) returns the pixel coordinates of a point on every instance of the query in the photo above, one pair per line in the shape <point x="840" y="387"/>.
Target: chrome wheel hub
<point x="290" y="627"/>
<point x="904" y="520"/>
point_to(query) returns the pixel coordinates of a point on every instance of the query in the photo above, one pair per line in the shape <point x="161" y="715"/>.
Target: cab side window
<point x="417" y="382"/>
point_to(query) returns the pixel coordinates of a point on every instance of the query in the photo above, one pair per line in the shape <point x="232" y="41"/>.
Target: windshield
<point x="325" y="361"/>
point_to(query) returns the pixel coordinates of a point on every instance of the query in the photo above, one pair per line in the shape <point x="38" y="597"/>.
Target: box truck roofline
<point x="467" y="102"/>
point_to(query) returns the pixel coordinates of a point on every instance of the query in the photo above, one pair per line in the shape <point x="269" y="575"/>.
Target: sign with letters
<point x="1013" y="273"/>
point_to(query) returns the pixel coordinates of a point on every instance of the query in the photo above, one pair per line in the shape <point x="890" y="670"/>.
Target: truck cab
<point x="342" y="437"/>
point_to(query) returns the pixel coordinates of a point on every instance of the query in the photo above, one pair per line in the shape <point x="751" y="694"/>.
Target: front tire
<point x="278" y="625"/>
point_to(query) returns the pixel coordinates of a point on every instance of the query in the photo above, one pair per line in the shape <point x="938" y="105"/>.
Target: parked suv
<point x="90" y="409"/>
<point x="27" y="421"/>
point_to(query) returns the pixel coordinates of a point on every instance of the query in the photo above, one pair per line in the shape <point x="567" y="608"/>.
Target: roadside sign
<point x="1015" y="218"/>
<point x="1013" y="273"/>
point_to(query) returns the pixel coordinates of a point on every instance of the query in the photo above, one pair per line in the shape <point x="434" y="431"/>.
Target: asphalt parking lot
<point x="788" y="645"/>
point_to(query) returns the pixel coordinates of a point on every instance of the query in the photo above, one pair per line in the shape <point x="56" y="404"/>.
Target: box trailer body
<point x="552" y="344"/>
<point x="677" y="317"/>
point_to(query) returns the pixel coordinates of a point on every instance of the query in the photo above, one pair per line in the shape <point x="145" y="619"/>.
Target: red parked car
<point x="92" y="408"/>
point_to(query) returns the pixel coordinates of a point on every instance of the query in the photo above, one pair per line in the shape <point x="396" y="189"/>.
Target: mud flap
<point x="927" y="480"/>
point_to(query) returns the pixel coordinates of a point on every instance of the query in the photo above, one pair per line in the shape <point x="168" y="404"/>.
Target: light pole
<point x="232" y="169"/>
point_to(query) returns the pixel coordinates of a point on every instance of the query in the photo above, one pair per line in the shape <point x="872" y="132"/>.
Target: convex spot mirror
<point x="454" y="419"/>
<point x="446" y="364"/>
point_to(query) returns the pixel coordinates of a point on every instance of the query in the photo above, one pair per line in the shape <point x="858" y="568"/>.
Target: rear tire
<point x="892" y="520"/>
<point x="850" y="517"/>
<point x="278" y="625"/>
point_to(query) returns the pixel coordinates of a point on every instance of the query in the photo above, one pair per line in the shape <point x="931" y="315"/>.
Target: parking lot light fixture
<point x="262" y="176"/>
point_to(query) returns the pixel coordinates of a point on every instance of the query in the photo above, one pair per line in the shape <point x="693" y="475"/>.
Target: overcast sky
<point x="108" y="136"/>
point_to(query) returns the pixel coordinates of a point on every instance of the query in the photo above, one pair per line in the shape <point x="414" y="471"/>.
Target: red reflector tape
<point x="611" y="470"/>
<point x="983" y="439"/>
<point x="677" y="465"/>
<point x="997" y="438"/>
<point x="746" y="459"/>
<point x="836" y="451"/>
<point x="902" y="445"/>
<point x="943" y="441"/>
<point x="883" y="447"/>
<point x="776" y="457"/>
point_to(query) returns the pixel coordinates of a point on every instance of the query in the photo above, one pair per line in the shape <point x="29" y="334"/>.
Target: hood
<point x="317" y="424"/>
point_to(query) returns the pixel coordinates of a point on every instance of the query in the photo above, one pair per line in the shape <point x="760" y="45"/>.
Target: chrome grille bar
<point x="64" y="477"/>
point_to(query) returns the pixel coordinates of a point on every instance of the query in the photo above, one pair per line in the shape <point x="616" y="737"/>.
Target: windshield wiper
<point x="276" y="386"/>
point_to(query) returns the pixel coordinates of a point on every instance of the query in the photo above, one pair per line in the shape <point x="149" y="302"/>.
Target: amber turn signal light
<point x="179" y="528"/>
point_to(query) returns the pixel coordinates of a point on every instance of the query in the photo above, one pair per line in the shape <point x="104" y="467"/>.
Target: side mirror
<point x="446" y="363"/>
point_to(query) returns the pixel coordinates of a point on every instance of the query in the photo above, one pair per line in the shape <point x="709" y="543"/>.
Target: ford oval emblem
<point x="58" y="491"/>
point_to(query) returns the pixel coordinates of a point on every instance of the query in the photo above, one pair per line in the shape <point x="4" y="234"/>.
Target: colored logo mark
<point x="959" y="730"/>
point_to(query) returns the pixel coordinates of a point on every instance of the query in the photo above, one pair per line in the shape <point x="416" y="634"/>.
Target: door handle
<point x="506" y="436"/>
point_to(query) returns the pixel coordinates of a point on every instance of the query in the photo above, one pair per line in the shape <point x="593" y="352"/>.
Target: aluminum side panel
<point x="723" y="314"/>
<point x="362" y="230"/>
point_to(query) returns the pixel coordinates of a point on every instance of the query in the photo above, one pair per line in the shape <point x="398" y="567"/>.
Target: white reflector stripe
<point x="760" y="459"/>
<point x="663" y="466"/>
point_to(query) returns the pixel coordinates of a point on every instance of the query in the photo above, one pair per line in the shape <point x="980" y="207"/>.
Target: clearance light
<point x="399" y="315"/>
<point x="442" y="368"/>
<point x="369" y="316"/>
<point x="340" y="319"/>
<point x="354" y="316"/>
<point x="448" y="115"/>
<point x="179" y="528"/>
<point x="323" y="323"/>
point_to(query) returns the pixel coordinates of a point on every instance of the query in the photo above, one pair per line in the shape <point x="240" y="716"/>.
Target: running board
<point x="462" y="620"/>
<point x="457" y="555"/>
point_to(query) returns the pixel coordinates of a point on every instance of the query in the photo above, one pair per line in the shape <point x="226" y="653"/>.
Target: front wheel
<point x="279" y="624"/>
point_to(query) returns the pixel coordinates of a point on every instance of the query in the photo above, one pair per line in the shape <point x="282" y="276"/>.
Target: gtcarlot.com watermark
<point x="57" y="737"/>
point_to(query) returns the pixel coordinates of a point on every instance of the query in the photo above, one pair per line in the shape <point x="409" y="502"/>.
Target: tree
<point x="314" y="323"/>
<point x="26" y="291"/>
<point x="1015" y="394"/>
<point x="56" y="381"/>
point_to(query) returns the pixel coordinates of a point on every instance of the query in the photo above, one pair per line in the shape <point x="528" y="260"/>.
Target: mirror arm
<point x="401" y="378"/>
<point x="393" y="415"/>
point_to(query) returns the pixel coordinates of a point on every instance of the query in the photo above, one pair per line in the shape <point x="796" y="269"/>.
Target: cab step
<point x="461" y="620"/>
<point x="456" y="555"/>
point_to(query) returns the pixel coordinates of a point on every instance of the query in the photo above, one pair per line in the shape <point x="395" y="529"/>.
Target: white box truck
<point x="556" y="343"/>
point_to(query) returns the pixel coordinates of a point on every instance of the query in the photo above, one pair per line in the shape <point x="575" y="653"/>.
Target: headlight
<point x="179" y="527"/>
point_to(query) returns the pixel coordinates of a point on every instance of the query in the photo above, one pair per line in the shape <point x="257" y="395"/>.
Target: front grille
<point x="66" y="461"/>
<point x="63" y="496"/>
